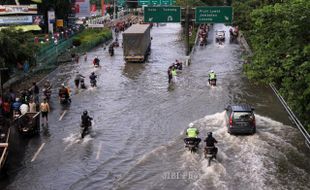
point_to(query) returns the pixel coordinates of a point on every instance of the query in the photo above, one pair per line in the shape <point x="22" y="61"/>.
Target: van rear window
<point x="244" y="116"/>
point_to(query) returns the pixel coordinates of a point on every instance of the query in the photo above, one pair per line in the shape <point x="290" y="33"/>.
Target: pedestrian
<point x="169" y="75"/>
<point x="35" y="91"/>
<point x="32" y="106"/>
<point x="6" y="109"/>
<point x="45" y="109"/>
<point x="85" y="57"/>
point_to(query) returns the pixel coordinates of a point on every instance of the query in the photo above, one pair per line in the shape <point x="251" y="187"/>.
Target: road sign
<point x="154" y="2"/>
<point x="143" y="2"/>
<point x="213" y="14"/>
<point x="162" y="14"/>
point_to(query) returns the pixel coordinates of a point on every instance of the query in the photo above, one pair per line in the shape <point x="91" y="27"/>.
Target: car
<point x="240" y="119"/>
<point x="220" y="35"/>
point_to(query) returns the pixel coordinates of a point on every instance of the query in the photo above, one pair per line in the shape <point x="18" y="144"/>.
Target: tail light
<point x="253" y="121"/>
<point x="230" y="121"/>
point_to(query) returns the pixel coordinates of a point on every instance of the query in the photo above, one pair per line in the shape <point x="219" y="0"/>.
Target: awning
<point x="25" y="28"/>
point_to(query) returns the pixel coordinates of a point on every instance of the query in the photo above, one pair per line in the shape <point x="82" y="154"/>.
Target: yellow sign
<point x="60" y="23"/>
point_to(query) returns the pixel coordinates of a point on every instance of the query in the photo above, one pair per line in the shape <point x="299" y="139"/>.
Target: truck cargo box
<point x="136" y="43"/>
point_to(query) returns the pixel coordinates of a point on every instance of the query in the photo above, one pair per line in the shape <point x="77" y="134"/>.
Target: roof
<point x="137" y="28"/>
<point x="241" y="107"/>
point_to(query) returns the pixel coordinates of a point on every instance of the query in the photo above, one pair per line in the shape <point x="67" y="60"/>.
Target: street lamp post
<point x="187" y="28"/>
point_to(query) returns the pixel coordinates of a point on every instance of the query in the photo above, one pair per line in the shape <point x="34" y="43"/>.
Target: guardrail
<point x="292" y="115"/>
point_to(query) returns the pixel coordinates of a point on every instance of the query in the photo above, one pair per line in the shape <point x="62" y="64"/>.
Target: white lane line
<point x="38" y="152"/>
<point x="62" y="115"/>
<point x="99" y="150"/>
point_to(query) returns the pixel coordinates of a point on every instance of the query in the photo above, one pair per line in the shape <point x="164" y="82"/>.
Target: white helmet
<point x="191" y="125"/>
<point x="212" y="71"/>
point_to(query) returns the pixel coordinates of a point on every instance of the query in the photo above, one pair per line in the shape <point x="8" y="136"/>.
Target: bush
<point x="76" y="42"/>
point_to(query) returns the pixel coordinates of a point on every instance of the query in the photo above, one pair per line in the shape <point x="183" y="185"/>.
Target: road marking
<point x="62" y="115"/>
<point x="38" y="152"/>
<point x="99" y="150"/>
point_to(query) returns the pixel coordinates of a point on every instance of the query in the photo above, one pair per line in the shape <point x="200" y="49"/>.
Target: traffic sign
<point x="162" y="14"/>
<point x="213" y="14"/>
<point x="143" y="2"/>
<point x="156" y="2"/>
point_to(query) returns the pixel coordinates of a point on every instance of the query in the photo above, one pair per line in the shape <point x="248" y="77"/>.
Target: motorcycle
<point x="93" y="83"/>
<point x="191" y="145"/>
<point x="85" y="129"/>
<point x="63" y="100"/>
<point x="82" y="84"/>
<point x="96" y="64"/>
<point x="111" y="51"/>
<point x="212" y="82"/>
<point x="209" y="154"/>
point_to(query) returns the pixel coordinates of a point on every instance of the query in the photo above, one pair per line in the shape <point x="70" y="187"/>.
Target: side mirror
<point x="252" y="109"/>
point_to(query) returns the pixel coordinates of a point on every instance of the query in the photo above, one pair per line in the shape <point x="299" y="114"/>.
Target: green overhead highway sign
<point x="143" y="2"/>
<point x="156" y="2"/>
<point x="162" y="14"/>
<point x="213" y="14"/>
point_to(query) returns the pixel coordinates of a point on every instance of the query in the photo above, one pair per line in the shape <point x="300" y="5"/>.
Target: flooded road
<point x="139" y="121"/>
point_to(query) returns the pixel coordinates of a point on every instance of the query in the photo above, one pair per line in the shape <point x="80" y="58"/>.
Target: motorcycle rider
<point x="77" y="79"/>
<point x="86" y="120"/>
<point x="92" y="78"/>
<point x="111" y="50"/>
<point x="210" y="142"/>
<point x="192" y="135"/>
<point x="47" y="89"/>
<point x="64" y="91"/>
<point x="96" y="61"/>
<point x="212" y="76"/>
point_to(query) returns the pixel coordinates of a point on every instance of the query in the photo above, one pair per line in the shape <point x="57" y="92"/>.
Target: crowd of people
<point x="15" y="104"/>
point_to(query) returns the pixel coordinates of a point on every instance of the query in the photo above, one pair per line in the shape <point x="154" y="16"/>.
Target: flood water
<point x="139" y="122"/>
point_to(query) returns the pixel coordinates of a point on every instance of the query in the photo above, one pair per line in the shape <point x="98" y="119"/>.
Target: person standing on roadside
<point x="169" y="74"/>
<point x="35" y="91"/>
<point x="45" y="109"/>
<point x="32" y="106"/>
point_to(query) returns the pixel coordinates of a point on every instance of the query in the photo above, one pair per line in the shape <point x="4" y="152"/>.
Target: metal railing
<point x="296" y="121"/>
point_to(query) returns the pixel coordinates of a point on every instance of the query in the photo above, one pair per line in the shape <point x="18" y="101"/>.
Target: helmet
<point x="96" y="57"/>
<point x="92" y="73"/>
<point x="191" y="125"/>
<point x="85" y="112"/>
<point x="212" y="71"/>
<point x="210" y="134"/>
<point x="16" y="99"/>
<point x="63" y="84"/>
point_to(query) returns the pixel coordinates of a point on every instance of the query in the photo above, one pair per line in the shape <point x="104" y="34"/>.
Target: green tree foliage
<point x="279" y="34"/>
<point x="15" y="47"/>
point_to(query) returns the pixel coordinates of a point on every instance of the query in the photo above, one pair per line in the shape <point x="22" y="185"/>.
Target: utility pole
<point x="187" y="28"/>
<point x="114" y="9"/>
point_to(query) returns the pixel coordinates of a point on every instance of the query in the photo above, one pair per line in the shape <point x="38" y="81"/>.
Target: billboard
<point x="18" y="9"/>
<point x="82" y="8"/>
<point x="27" y="19"/>
<point x="7" y="20"/>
